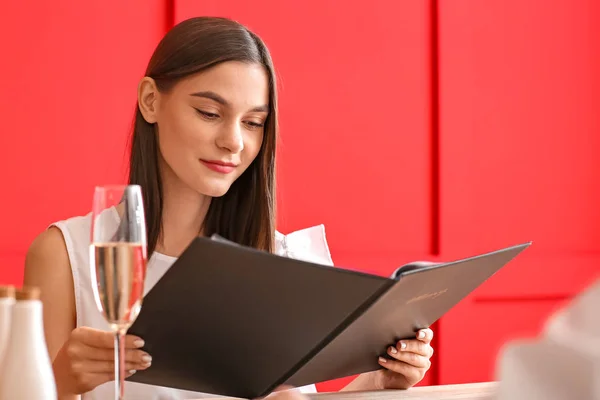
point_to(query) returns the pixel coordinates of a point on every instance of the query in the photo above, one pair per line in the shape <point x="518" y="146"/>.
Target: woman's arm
<point x="82" y="358"/>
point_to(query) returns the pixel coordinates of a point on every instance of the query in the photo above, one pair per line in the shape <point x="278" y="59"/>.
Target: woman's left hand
<point x="410" y="361"/>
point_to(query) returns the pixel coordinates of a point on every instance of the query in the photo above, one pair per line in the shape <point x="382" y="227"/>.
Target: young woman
<point x="203" y="151"/>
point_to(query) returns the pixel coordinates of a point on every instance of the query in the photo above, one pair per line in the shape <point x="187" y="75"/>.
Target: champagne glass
<point x="118" y="256"/>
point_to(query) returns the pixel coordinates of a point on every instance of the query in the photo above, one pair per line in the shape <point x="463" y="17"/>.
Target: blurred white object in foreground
<point x="564" y="363"/>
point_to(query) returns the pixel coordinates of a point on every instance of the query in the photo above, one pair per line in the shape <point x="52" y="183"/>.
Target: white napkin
<point x="564" y="364"/>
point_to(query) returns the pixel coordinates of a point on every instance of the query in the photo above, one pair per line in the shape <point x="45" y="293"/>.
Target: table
<point x="470" y="391"/>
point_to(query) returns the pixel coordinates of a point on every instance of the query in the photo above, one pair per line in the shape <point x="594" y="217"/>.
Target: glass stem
<point x="119" y="364"/>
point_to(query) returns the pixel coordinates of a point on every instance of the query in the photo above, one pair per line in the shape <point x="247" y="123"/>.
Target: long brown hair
<point x="246" y="213"/>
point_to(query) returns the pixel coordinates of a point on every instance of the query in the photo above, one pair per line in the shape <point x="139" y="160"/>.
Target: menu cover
<point x="235" y="321"/>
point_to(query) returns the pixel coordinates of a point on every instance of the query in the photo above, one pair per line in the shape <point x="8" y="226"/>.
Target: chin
<point x="214" y="190"/>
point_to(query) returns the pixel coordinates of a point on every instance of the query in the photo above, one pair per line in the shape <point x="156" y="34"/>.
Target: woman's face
<point x="210" y="125"/>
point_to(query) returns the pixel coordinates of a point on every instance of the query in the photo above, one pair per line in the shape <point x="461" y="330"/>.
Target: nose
<point x="230" y="138"/>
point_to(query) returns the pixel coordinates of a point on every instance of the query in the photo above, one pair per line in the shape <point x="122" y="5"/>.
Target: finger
<point x="93" y="337"/>
<point x="85" y="352"/>
<point x="414" y="359"/>
<point x="411" y="373"/>
<point x="137" y="356"/>
<point x="99" y="367"/>
<point x="425" y="335"/>
<point x="414" y="346"/>
<point x="133" y="342"/>
<point x="104" y="339"/>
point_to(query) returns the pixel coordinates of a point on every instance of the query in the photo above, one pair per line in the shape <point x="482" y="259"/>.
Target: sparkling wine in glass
<point x="118" y="258"/>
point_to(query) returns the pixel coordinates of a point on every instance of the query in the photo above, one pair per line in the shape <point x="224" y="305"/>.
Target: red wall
<point x="68" y="81"/>
<point x="519" y="161"/>
<point x="411" y="129"/>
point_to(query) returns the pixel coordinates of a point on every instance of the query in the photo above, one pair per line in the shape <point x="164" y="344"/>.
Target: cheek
<point x="252" y="145"/>
<point x="178" y="135"/>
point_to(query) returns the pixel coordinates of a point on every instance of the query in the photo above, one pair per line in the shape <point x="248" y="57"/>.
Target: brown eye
<point x="207" y="115"/>
<point x="255" y="125"/>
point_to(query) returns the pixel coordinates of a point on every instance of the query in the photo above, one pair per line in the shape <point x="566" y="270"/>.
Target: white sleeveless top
<point x="308" y="244"/>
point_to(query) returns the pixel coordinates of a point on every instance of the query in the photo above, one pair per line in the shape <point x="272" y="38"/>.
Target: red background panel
<point x="519" y="161"/>
<point x="537" y="274"/>
<point x="69" y="79"/>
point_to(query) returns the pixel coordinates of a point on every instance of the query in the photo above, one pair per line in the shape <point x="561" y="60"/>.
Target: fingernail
<point x="383" y="360"/>
<point x="393" y="350"/>
<point x="132" y="371"/>
<point x="138" y="343"/>
<point x="421" y="335"/>
<point x="403" y="345"/>
<point x="147" y="359"/>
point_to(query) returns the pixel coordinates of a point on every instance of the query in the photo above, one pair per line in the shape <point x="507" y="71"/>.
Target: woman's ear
<point x="148" y="99"/>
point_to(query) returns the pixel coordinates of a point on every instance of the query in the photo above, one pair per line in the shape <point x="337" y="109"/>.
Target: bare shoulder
<point x="47" y="246"/>
<point x="47" y="266"/>
<point x="47" y="261"/>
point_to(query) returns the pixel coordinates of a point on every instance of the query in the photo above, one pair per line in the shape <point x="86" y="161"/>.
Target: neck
<point x="183" y="214"/>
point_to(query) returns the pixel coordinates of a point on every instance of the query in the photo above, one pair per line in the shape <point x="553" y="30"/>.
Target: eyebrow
<point x="219" y="99"/>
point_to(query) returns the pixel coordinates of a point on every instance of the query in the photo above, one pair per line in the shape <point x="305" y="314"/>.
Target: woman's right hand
<point x="86" y="360"/>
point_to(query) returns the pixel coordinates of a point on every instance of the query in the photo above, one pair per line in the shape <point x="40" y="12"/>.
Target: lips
<point x="219" y="166"/>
